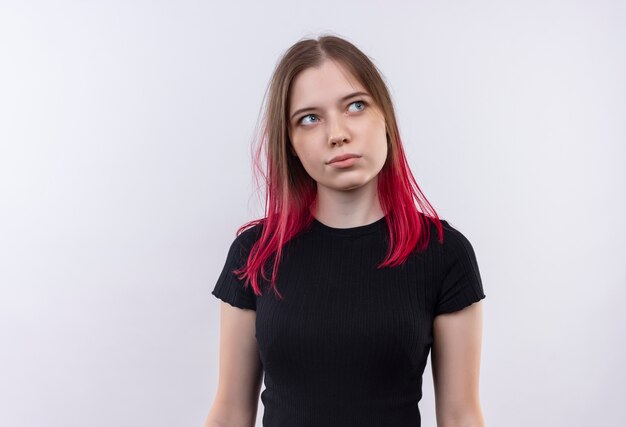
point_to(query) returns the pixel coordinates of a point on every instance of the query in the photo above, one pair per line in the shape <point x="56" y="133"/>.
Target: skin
<point x="455" y="362"/>
<point x="330" y="126"/>
<point x="347" y="197"/>
<point x="240" y="370"/>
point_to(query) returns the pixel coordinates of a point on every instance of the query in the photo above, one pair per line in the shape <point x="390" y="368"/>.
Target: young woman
<point x="337" y="296"/>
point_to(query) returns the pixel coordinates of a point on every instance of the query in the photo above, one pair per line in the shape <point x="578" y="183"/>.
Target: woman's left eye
<point x="360" y="105"/>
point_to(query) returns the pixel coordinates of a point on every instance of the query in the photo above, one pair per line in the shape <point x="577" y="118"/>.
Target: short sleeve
<point x="461" y="284"/>
<point x="229" y="288"/>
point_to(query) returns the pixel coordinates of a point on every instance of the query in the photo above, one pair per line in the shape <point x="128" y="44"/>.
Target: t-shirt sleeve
<point x="229" y="287"/>
<point x="461" y="284"/>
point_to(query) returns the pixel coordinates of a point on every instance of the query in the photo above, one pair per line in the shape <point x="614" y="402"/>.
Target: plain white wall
<point x="125" y="170"/>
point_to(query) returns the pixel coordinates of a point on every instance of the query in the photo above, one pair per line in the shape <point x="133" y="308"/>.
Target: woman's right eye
<point x="303" y="121"/>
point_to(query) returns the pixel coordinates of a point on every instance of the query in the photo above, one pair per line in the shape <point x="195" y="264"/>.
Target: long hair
<point x="290" y="193"/>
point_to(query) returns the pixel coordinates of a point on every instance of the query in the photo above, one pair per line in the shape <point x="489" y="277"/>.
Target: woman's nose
<point x="337" y="131"/>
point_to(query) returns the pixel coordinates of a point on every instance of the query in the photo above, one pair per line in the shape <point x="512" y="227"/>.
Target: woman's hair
<point x="290" y="193"/>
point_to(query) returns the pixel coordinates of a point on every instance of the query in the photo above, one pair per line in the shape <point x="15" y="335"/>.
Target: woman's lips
<point x="344" y="163"/>
<point x="343" y="157"/>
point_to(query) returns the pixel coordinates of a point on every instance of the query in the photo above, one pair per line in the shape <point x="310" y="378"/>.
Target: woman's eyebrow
<point x="344" y="98"/>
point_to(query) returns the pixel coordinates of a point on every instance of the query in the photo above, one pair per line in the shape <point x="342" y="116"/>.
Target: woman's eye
<point x="303" y="121"/>
<point x="360" y="105"/>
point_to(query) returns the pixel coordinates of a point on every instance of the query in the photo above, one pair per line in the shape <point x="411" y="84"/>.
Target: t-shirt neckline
<point x="373" y="227"/>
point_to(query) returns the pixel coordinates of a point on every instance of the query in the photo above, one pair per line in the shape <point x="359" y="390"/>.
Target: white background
<point x="125" y="169"/>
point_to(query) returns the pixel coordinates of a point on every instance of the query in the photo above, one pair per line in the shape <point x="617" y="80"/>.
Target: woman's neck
<point x="348" y="208"/>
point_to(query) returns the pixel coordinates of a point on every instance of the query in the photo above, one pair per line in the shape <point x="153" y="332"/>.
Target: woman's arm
<point x="240" y="370"/>
<point x="455" y="360"/>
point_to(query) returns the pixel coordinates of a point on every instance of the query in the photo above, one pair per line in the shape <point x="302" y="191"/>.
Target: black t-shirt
<point x="349" y="343"/>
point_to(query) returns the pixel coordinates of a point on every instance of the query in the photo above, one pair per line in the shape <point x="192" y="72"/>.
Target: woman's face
<point x="331" y="114"/>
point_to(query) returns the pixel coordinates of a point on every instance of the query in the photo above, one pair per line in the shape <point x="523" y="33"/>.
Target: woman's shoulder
<point x="250" y="232"/>
<point x="453" y="236"/>
<point x="453" y="232"/>
<point x="456" y="242"/>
